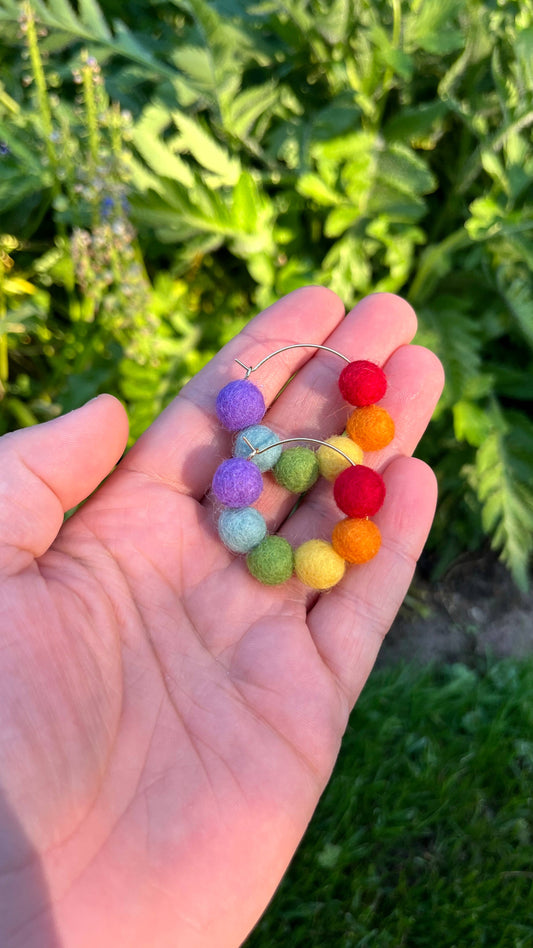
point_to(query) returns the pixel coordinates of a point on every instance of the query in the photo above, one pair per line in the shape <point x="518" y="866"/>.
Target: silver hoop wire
<point x="299" y="345"/>
<point x="287" y="441"/>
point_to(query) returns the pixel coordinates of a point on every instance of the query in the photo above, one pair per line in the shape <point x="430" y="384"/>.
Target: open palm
<point x="167" y="724"/>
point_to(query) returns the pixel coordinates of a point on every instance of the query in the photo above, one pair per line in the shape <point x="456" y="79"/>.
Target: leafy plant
<point x="363" y="144"/>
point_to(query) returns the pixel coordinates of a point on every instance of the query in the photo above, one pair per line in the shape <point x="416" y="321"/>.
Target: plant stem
<point x="396" y="22"/>
<point x="389" y="72"/>
<point x="39" y="78"/>
<point x="4" y="362"/>
<point x="4" y="365"/>
<point x="8" y="102"/>
<point x="91" y="117"/>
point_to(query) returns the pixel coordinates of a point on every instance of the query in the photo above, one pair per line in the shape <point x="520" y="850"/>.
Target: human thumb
<point x="47" y="469"/>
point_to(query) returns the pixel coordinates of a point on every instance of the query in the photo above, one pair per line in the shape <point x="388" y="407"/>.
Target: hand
<point x="168" y="724"/>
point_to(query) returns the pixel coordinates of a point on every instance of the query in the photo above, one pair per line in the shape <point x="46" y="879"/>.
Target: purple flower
<point x="107" y="206"/>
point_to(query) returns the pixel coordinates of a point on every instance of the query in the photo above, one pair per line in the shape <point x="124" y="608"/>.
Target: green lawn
<point x="423" y="836"/>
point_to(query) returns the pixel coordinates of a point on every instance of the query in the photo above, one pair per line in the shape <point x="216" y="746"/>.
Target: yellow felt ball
<point x="357" y="541"/>
<point x="331" y="463"/>
<point x="318" y="565"/>
<point x="371" y="427"/>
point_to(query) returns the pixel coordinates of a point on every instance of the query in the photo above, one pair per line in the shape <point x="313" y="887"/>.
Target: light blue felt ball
<point x="242" y="529"/>
<point x="260" y="436"/>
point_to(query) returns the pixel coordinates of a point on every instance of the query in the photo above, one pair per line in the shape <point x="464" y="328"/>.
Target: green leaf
<point x="458" y="342"/>
<point x="196" y="63"/>
<point x="430" y="26"/>
<point x="420" y="125"/>
<point x="15" y="188"/>
<point x="340" y="219"/>
<point x="347" y="268"/>
<point x="157" y="154"/>
<point x="206" y="150"/>
<point x="252" y="219"/>
<point x="62" y="13"/>
<point x="246" y="108"/>
<point x="227" y="47"/>
<point x="333" y="25"/>
<point x="503" y="471"/>
<point x="400" y="208"/>
<point x="246" y="203"/>
<point x="23" y="150"/>
<point x="400" y="167"/>
<point x="312" y="186"/>
<point x="470" y="423"/>
<point x="92" y="15"/>
<point x="344" y="147"/>
<point x="494" y="167"/>
<point x="524" y="53"/>
<point x="519" y="298"/>
<point x="89" y="26"/>
<point x="397" y="59"/>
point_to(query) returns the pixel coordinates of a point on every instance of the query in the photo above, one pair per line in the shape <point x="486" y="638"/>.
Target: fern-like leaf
<point x="503" y="479"/>
<point x="225" y="49"/>
<point x="206" y="150"/>
<point x="519" y="299"/>
<point x="89" y="26"/>
<point x="245" y="109"/>
<point x="158" y="155"/>
<point x="456" y="337"/>
<point x="92" y="15"/>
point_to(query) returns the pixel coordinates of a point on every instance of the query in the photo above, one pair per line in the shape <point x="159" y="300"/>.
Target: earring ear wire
<point x="297" y="345"/>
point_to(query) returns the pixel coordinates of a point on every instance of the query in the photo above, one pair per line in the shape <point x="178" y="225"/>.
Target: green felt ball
<point x="271" y="561"/>
<point x="297" y="469"/>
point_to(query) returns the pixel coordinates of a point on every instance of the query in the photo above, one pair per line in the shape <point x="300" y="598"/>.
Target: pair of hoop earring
<point x="358" y="490"/>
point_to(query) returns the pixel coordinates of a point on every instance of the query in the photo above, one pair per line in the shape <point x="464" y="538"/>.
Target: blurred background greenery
<point x="169" y="167"/>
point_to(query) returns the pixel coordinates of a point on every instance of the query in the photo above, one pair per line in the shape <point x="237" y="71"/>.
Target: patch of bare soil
<point x="474" y="611"/>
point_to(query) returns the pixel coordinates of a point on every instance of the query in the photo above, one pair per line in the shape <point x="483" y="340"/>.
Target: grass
<point x="424" y="835"/>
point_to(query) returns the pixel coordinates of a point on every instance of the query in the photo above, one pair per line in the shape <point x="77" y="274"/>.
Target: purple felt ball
<point x="237" y="483"/>
<point x="240" y="404"/>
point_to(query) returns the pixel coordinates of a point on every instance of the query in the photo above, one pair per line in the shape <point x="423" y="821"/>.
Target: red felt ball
<point x="359" y="491"/>
<point x="362" y="383"/>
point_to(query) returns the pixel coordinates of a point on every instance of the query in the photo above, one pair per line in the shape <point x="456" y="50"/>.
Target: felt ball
<point x="362" y="383"/>
<point x="297" y="469"/>
<point x="272" y="561"/>
<point x="372" y="428"/>
<point x="260" y="436"/>
<point x="240" y="404"/>
<point x="357" y="541"/>
<point x="359" y="491"/>
<point x="331" y="463"/>
<point x="241" y="529"/>
<point x="237" y="483"/>
<point x="318" y="565"/>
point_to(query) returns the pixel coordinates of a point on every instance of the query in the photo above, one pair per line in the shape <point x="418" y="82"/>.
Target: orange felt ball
<point x="357" y="541"/>
<point x="371" y="427"/>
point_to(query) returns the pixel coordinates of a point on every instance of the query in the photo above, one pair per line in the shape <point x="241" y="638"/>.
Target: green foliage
<point x="423" y="835"/>
<point x="370" y="145"/>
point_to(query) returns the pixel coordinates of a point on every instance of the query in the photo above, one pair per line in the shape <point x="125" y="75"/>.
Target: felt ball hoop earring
<point x="358" y="490"/>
